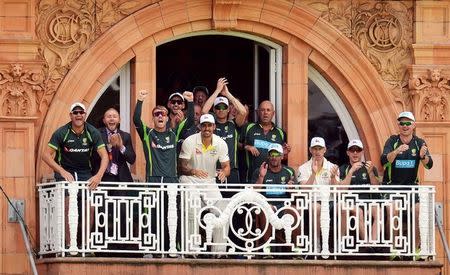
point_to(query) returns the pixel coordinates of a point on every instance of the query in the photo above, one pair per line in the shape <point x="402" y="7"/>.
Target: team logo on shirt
<point x="283" y="180"/>
<point x="274" y="137"/>
<point x="226" y="128"/>
<point x="413" y="152"/>
<point x="167" y="139"/>
<point x="76" y="150"/>
<point x="84" y="141"/>
<point x="364" y="176"/>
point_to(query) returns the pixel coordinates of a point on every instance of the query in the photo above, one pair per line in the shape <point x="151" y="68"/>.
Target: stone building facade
<point x="381" y="57"/>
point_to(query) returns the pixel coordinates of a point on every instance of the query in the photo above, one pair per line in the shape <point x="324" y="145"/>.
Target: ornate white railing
<point x="183" y="219"/>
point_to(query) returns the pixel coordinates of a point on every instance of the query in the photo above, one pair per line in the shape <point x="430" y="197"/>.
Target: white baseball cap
<point x="407" y="115"/>
<point x="275" y="147"/>
<point x="221" y="100"/>
<point x="317" y="141"/>
<point x="355" y="142"/>
<point x="176" y="94"/>
<point x="77" y="104"/>
<point x="207" y="118"/>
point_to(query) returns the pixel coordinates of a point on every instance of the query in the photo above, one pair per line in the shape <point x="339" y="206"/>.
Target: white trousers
<point x="208" y="195"/>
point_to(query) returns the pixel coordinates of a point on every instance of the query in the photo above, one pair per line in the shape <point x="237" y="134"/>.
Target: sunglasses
<point x="405" y="123"/>
<point x="158" y="114"/>
<point x="78" y="112"/>
<point x="179" y="102"/>
<point x="274" y="154"/>
<point x="221" y="107"/>
<point x="354" y="149"/>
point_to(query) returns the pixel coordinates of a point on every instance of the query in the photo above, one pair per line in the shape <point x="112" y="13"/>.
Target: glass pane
<point x="323" y="121"/>
<point x="110" y="98"/>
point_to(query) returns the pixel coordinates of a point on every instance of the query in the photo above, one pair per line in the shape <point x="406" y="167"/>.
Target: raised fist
<point x="142" y="94"/>
<point x="189" y="96"/>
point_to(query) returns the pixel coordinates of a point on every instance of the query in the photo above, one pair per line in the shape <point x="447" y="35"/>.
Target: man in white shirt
<point x="197" y="164"/>
<point x="318" y="171"/>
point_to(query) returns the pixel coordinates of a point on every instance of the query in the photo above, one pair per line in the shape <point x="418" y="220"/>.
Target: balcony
<point x="184" y="224"/>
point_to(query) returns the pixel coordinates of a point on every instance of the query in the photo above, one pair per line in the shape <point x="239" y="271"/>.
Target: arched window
<point x="328" y="117"/>
<point x="115" y="93"/>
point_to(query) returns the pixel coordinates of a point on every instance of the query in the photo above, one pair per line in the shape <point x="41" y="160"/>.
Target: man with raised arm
<point x="160" y="149"/>
<point x="225" y="128"/>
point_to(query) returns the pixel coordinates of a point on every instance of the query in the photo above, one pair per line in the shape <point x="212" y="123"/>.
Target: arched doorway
<point x="355" y="80"/>
<point x="252" y="64"/>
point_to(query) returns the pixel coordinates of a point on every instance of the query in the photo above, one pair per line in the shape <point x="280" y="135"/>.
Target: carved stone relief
<point x="23" y="91"/>
<point x="67" y="28"/>
<point x="429" y="94"/>
<point x="382" y="30"/>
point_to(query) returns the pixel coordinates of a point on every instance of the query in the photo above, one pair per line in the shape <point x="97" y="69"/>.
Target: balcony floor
<point x="109" y="266"/>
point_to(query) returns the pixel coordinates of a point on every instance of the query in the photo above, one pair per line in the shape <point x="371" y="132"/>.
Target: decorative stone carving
<point x="382" y="30"/>
<point x="66" y="28"/>
<point x="225" y="14"/>
<point x="429" y="95"/>
<point x="23" y="91"/>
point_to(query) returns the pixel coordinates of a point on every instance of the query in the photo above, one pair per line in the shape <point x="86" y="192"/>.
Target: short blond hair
<point x="161" y="108"/>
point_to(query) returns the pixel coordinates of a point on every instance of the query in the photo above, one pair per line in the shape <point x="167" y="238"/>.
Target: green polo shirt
<point x="228" y="132"/>
<point x="159" y="148"/>
<point x="253" y="134"/>
<point x="403" y="170"/>
<point x="280" y="178"/>
<point x="359" y="177"/>
<point x="73" y="152"/>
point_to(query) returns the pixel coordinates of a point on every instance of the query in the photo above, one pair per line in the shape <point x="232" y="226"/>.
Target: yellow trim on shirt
<point x="209" y="148"/>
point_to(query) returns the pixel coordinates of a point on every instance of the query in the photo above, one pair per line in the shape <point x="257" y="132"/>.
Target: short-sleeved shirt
<point x="280" y="178"/>
<point x="228" y="132"/>
<point x="184" y="134"/>
<point x="323" y="177"/>
<point x="204" y="158"/>
<point x="159" y="148"/>
<point x="73" y="151"/>
<point x="359" y="177"/>
<point x="403" y="171"/>
<point x="253" y="135"/>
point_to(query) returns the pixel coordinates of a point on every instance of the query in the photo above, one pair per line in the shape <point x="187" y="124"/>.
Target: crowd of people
<point x="198" y="137"/>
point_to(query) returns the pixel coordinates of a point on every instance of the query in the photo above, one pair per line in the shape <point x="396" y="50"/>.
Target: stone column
<point x="429" y="89"/>
<point x="295" y="99"/>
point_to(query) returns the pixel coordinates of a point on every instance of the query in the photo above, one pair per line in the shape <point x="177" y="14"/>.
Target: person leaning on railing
<point x="402" y="155"/>
<point x="360" y="172"/>
<point x="72" y="144"/>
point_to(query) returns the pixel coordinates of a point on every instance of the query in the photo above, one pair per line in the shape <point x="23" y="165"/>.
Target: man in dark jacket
<point x="119" y="147"/>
